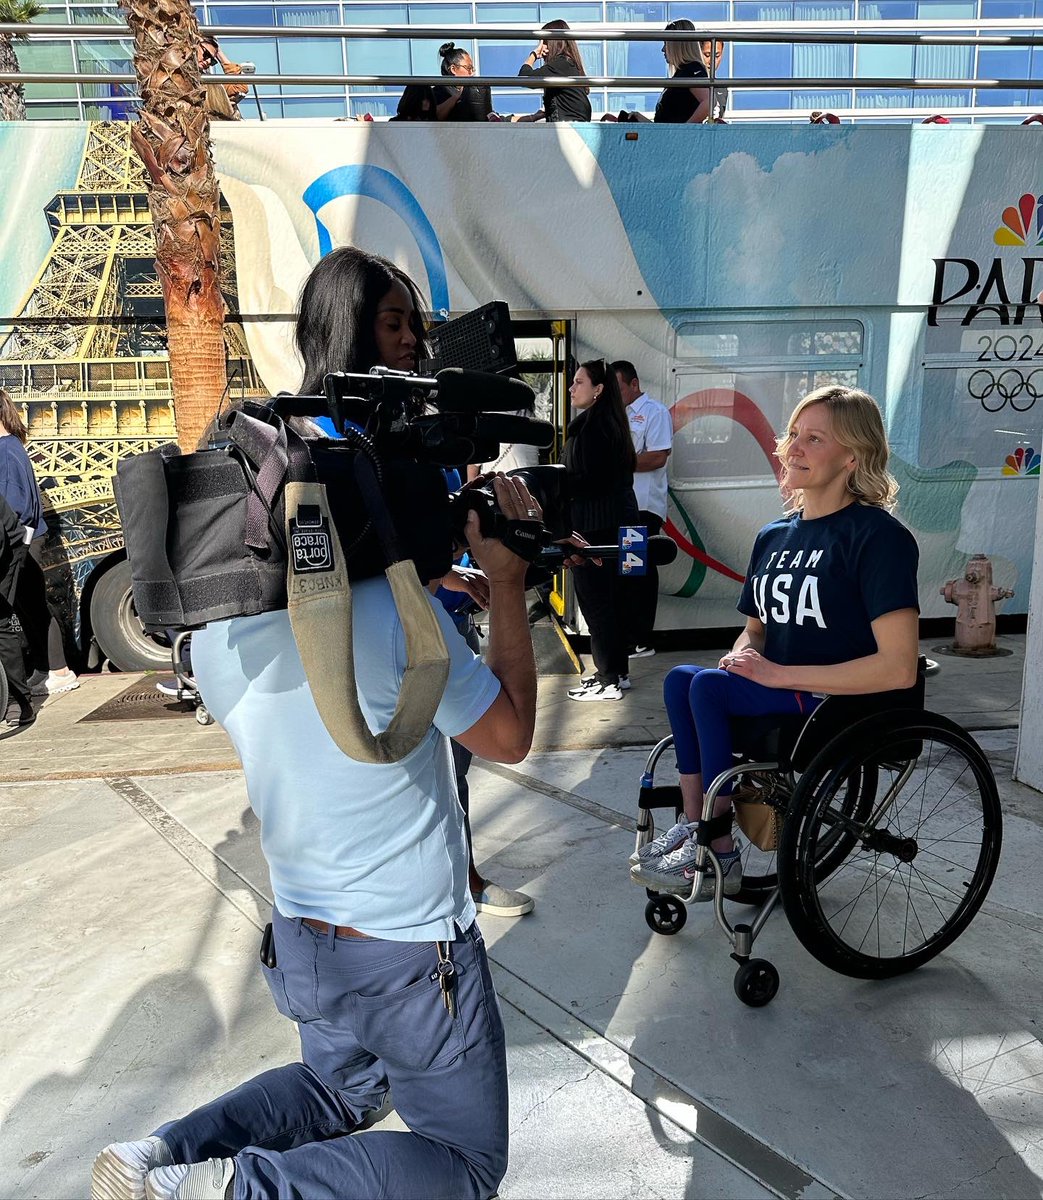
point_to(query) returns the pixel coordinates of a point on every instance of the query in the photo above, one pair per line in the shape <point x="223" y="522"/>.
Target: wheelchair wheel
<point x="756" y="982"/>
<point x="910" y="857"/>
<point x="666" y="915"/>
<point x="760" y="867"/>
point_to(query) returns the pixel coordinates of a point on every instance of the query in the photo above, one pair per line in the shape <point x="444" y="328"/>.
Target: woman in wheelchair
<point x="831" y="608"/>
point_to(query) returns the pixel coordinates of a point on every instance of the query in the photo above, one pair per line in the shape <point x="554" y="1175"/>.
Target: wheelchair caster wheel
<point x="203" y="717"/>
<point x="756" y="982"/>
<point x="665" y="915"/>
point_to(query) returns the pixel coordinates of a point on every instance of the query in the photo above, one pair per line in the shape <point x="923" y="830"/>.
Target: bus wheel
<point x="119" y="632"/>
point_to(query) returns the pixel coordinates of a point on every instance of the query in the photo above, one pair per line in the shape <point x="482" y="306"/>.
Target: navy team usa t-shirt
<point x="816" y="585"/>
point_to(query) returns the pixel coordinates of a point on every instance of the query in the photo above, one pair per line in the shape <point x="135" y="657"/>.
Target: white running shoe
<point x="119" y="1170"/>
<point x="54" y="683"/>
<point x="210" y="1180"/>
<point x="643" y="652"/>
<point x="665" y="843"/>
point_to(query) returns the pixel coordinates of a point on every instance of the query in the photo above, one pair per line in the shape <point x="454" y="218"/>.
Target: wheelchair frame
<point x="858" y="751"/>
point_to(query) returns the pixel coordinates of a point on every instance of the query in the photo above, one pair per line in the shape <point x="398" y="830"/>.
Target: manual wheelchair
<point x="889" y="832"/>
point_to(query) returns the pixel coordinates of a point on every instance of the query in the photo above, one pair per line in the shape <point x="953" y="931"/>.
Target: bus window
<point x="739" y="380"/>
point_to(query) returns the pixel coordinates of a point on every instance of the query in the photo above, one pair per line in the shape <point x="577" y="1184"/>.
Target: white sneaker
<point x="54" y="683"/>
<point x="643" y="652"/>
<point x="624" y="684"/>
<point x="597" y="691"/>
<point x="210" y="1180"/>
<point x="665" y="843"/>
<point x="119" y="1170"/>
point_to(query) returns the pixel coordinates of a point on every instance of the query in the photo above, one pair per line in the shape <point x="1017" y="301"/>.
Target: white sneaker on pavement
<point x="119" y="1170"/>
<point x="210" y="1180"/>
<point x="54" y="683"/>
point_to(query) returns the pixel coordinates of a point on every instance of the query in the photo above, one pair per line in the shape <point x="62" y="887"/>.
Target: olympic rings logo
<point x="1010" y="386"/>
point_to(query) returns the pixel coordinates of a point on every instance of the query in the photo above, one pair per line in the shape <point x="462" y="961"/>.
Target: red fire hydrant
<point x="975" y="598"/>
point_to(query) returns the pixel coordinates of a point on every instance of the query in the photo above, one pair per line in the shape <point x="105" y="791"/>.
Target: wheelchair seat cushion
<point x="767" y="739"/>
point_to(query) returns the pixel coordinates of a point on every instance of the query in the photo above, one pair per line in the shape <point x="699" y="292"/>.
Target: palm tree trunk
<point x="12" y="95"/>
<point x="172" y="138"/>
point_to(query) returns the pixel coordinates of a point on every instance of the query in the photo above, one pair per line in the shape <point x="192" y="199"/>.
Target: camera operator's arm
<point x="504" y="732"/>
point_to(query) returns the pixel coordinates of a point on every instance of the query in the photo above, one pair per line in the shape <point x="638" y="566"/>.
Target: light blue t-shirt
<point x="381" y="848"/>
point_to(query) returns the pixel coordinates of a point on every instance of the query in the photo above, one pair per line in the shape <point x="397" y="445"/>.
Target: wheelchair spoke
<point x="910" y="851"/>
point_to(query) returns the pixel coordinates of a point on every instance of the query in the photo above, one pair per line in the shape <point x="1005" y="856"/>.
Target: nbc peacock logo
<point x="1021" y="462"/>
<point x="1019" y="228"/>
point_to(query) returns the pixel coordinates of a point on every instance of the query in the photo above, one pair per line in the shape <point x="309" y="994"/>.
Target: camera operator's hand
<point x="466" y="579"/>
<point x="499" y="564"/>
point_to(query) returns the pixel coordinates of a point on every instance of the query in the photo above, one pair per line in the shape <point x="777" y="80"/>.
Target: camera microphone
<point x="476" y="391"/>
<point x="503" y="428"/>
<point x="661" y="550"/>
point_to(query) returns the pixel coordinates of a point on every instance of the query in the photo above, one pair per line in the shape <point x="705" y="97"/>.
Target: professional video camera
<point x="265" y="519"/>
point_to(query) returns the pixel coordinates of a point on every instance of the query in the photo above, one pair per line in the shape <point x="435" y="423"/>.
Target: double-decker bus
<point x="738" y="267"/>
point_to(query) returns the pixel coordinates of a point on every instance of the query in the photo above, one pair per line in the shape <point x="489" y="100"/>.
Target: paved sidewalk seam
<point x="708" y="1126"/>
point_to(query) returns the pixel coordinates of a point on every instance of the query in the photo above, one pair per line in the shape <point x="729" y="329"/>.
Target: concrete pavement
<point x="136" y="893"/>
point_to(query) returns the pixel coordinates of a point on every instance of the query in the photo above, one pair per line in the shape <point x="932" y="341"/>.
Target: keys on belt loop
<point x="446" y="973"/>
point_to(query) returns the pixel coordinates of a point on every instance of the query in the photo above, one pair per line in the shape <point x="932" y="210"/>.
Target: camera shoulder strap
<point x="320" y="608"/>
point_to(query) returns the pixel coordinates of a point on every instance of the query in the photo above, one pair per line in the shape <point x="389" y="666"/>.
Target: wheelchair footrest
<point x="660" y="797"/>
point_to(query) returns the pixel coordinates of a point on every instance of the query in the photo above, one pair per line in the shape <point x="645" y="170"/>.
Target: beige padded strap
<point x="321" y="619"/>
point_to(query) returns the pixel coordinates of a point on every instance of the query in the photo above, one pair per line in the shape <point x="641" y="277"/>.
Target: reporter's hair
<point x="679" y="53"/>
<point x="560" y="47"/>
<point x="338" y="309"/>
<point x="11" y="418"/>
<point x="609" y="411"/>
<point x="626" y="369"/>
<point x="452" y="55"/>
<point x="858" y="426"/>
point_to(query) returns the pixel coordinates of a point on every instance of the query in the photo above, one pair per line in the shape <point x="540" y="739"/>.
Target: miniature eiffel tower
<point x="86" y="357"/>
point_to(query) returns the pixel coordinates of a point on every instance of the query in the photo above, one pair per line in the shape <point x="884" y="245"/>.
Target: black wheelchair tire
<point x="800" y="878"/>
<point x="665" y="915"/>
<point x="756" y="982"/>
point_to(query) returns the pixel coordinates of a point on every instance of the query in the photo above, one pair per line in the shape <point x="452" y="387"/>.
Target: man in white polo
<point x="653" y="432"/>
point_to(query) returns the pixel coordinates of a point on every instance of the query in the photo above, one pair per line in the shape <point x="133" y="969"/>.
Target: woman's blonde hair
<point x="858" y="426"/>
<point x="679" y="53"/>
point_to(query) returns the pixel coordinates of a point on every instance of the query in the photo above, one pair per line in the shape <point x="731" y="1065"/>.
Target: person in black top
<point x="599" y="458"/>
<point x="720" y="95"/>
<point x="459" y="102"/>
<point x="679" y="106"/>
<point x="560" y="57"/>
<point x="417" y="103"/>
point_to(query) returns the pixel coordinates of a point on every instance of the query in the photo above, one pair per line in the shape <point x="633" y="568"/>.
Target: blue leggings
<point x="699" y="703"/>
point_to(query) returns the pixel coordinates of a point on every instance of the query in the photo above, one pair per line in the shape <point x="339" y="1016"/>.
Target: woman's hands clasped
<point x="752" y="665"/>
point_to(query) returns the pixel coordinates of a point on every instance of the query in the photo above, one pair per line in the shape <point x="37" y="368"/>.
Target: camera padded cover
<point x="185" y="520"/>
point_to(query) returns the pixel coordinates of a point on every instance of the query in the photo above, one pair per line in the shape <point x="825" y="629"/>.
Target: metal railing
<point x="930" y="32"/>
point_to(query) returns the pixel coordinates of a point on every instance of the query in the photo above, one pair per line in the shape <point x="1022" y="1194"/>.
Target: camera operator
<point x="369" y="867"/>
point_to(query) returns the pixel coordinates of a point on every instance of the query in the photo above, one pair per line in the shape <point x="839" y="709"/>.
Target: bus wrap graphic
<point x="1017" y="228"/>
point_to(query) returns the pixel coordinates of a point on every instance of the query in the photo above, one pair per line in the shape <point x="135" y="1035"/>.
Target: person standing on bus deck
<point x="222" y="100"/>
<point x="652" y="431"/>
<point x="719" y="103"/>
<point x="560" y="57"/>
<point x="831" y="608"/>
<point x="456" y="100"/>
